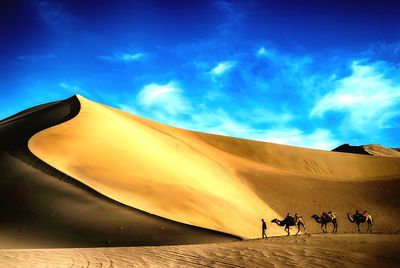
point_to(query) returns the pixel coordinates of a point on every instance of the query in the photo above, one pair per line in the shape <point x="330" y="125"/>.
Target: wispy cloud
<point x="125" y="57"/>
<point x="366" y="98"/>
<point x="263" y="52"/>
<point x="53" y="14"/>
<point x="73" y="89"/>
<point x="318" y="139"/>
<point x="36" y="57"/>
<point x="222" y="67"/>
<point x="167" y="98"/>
<point x="282" y="59"/>
<point x="234" y="16"/>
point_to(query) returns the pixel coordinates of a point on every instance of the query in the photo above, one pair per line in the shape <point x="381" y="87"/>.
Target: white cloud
<point x="167" y="98"/>
<point x="126" y="57"/>
<point x="367" y="99"/>
<point x="222" y="68"/>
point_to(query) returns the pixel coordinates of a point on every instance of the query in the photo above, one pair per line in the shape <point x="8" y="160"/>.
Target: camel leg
<point x="323" y="231"/>
<point x="305" y="230"/>
<point x="287" y="230"/>
<point x="358" y="226"/>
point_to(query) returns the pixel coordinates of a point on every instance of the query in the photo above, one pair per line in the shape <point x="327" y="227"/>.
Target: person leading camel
<point x="263" y="228"/>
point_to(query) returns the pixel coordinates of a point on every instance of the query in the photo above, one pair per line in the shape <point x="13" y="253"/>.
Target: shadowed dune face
<point x="39" y="210"/>
<point x="215" y="182"/>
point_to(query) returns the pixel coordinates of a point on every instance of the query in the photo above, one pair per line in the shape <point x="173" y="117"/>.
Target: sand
<point x="303" y="251"/>
<point x="77" y="173"/>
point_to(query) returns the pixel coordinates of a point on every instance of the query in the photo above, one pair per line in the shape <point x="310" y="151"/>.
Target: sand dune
<point x="42" y="207"/>
<point x="205" y="186"/>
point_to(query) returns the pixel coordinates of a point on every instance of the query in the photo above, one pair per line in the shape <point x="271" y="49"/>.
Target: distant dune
<point x="78" y="173"/>
<point x="370" y="149"/>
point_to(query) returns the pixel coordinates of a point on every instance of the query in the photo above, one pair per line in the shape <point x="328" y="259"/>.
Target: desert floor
<point x="317" y="250"/>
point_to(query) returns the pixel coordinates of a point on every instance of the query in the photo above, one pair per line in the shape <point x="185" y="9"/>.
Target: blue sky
<point x="314" y="74"/>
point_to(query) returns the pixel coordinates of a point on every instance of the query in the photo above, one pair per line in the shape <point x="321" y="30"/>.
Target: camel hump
<point x="290" y="220"/>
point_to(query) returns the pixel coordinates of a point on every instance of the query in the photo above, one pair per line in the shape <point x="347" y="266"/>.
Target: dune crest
<point x="216" y="182"/>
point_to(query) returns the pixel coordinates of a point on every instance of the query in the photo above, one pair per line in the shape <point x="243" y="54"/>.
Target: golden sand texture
<point x="315" y="251"/>
<point x="211" y="181"/>
<point x="379" y="150"/>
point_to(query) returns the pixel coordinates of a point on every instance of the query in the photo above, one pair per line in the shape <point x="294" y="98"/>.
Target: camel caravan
<point x="323" y="220"/>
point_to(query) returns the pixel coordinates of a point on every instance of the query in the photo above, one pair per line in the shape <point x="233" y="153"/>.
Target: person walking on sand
<point x="264" y="229"/>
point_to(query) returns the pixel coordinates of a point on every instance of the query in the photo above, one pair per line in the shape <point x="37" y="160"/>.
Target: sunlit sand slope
<point x="211" y="181"/>
<point x="376" y="149"/>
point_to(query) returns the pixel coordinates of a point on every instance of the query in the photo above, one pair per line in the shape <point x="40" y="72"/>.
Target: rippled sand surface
<point x="346" y="250"/>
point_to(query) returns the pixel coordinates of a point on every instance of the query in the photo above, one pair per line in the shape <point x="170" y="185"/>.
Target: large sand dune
<point x="206" y="186"/>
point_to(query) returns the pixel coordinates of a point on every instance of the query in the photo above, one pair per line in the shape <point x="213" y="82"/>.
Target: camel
<point x="359" y="218"/>
<point x="324" y="220"/>
<point x="291" y="221"/>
